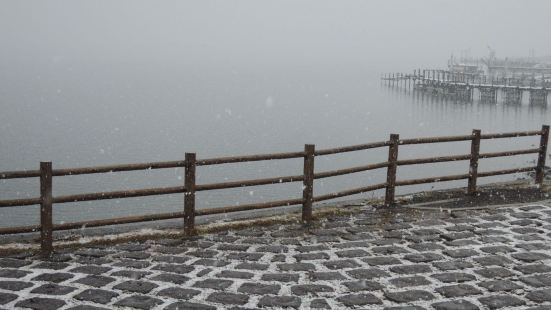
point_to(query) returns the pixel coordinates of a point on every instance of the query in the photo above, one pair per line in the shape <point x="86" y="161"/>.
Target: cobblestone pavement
<point x="486" y="259"/>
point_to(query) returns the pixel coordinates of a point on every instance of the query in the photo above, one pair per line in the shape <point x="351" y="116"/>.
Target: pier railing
<point x="307" y="177"/>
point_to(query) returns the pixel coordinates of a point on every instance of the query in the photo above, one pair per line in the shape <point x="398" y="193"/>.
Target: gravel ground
<point x="377" y="259"/>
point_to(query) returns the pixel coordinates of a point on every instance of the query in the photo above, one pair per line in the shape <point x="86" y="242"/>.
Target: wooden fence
<point x="189" y="188"/>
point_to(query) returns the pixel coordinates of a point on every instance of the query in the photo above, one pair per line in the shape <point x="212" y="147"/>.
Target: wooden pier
<point x="462" y="86"/>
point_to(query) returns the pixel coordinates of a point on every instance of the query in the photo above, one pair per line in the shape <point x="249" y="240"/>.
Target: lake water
<point x="89" y="116"/>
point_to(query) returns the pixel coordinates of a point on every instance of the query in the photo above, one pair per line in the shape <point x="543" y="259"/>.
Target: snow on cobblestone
<point x="375" y="259"/>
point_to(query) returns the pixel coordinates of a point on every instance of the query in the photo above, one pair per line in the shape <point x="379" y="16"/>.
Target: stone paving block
<point x="215" y="284"/>
<point x="426" y="232"/>
<point x="129" y="263"/>
<point x="408" y="296"/>
<point x="459" y="290"/>
<point x="178" y="293"/>
<point x="500" y="285"/>
<point x="389" y="250"/>
<point x="14" y="285"/>
<point x="411" y="269"/>
<point x="50" y="265"/>
<point x="171" y="259"/>
<point x="457" y="235"/>
<point x="245" y="256"/>
<point x="528" y="237"/>
<point x="424" y="257"/>
<point x="460" y="228"/>
<point x="139" y="302"/>
<point x="174" y="268"/>
<point x="381" y="260"/>
<point x="228" y="298"/>
<point x="451" y="277"/>
<point x="310" y="289"/>
<point x="95" y="281"/>
<point x="458" y="304"/>
<point x="312" y="248"/>
<point x="405" y="308"/>
<point x="53" y="277"/>
<point x="311" y="256"/>
<point x="354" y="300"/>
<point x="540" y="280"/>
<point x="171" y="278"/>
<point x="387" y="241"/>
<point x="259" y="288"/>
<point x="363" y="285"/>
<point x="427" y="246"/>
<point x="326" y="239"/>
<point x="280" y="277"/>
<point x="501" y="301"/>
<point x="7" y="297"/>
<point x="13" y="263"/>
<point x="133" y="255"/>
<point x="409" y="281"/>
<point x="326" y="276"/>
<point x="279" y="301"/>
<point x="452" y="265"/>
<point x="53" y="289"/>
<point x="180" y="305"/>
<point x="86" y="307"/>
<point x="203" y="253"/>
<point x="533" y="268"/>
<point x="352" y="253"/>
<point x="461" y="253"/>
<point x="296" y="267"/>
<point x="234" y="274"/>
<point x="273" y="249"/>
<point x="96" y="295"/>
<point x="136" y="286"/>
<point x="357" y="237"/>
<point x="39" y="303"/>
<point x="493" y="260"/>
<point x="494" y="272"/>
<point x="211" y="262"/>
<point x="464" y="243"/>
<point x="203" y="272"/>
<point x="232" y="247"/>
<point x="530" y="256"/>
<point x="497" y="249"/>
<point x="341" y="264"/>
<point x="252" y="266"/>
<point x="533" y="246"/>
<point x="132" y="274"/>
<point x="367" y="274"/>
<point x="91" y="269"/>
<point x="279" y="258"/>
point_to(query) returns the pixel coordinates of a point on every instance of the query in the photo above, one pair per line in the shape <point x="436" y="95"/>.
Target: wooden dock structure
<point x="463" y="86"/>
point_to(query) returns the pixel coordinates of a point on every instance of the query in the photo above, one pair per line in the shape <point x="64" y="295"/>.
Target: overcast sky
<point x="282" y="32"/>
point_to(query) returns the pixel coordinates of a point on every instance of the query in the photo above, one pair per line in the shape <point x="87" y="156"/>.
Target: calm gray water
<point x="114" y="114"/>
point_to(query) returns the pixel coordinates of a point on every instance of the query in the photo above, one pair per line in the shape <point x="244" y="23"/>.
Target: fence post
<point x="391" y="170"/>
<point x="46" y="225"/>
<point x="473" y="167"/>
<point x="540" y="169"/>
<point x="189" y="196"/>
<point x="308" y="183"/>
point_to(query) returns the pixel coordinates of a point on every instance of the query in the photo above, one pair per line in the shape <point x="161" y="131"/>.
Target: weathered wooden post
<point x="308" y="183"/>
<point x="391" y="169"/>
<point x="189" y="195"/>
<point x="46" y="225"/>
<point x="473" y="167"/>
<point x="540" y="169"/>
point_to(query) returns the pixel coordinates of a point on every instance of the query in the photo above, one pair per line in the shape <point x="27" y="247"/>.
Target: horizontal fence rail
<point x="189" y="188"/>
